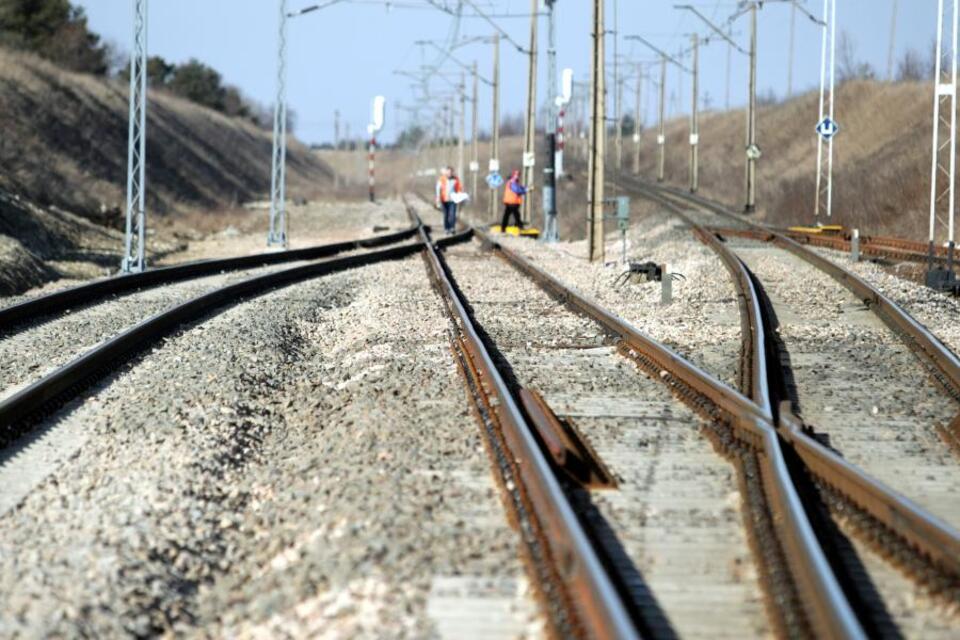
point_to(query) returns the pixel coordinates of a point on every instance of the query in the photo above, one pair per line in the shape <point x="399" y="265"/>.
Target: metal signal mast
<point x="827" y="127"/>
<point x="277" y="234"/>
<point x="944" y="162"/>
<point x="136" y="227"/>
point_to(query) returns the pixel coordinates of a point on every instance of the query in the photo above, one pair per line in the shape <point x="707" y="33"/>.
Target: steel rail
<point x="601" y="610"/>
<point x="20" y="411"/>
<point x="824" y="601"/>
<point x="915" y="335"/>
<point x="56" y="302"/>
<point x="933" y="538"/>
<point x="875" y="246"/>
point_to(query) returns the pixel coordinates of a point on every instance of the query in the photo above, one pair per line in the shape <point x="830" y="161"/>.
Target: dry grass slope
<point x="64" y="143"/>
<point x="881" y="162"/>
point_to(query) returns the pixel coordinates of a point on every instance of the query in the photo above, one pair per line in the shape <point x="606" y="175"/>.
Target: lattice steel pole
<point x="944" y="163"/>
<point x="277" y="234"/>
<point x="824" y="183"/>
<point x="136" y="225"/>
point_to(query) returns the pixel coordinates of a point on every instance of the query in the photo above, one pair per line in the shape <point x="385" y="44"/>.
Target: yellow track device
<point x="529" y="232"/>
<point x="827" y="229"/>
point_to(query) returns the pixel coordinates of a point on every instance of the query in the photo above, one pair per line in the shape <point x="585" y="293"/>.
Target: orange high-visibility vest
<point x="457" y="188"/>
<point x="509" y="197"/>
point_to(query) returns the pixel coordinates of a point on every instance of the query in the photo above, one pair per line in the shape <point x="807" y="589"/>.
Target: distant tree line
<point x="58" y="31"/>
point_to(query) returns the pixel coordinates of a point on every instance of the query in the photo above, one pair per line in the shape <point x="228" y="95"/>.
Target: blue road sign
<point x="495" y="180"/>
<point x="827" y="128"/>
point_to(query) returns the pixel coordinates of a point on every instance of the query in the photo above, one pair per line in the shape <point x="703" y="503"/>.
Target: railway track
<point x="878" y="515"/>
<point x="805" y="597"/>
<point x="34" y="399"/>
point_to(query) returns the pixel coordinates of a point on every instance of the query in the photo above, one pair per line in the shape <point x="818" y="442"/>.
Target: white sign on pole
<point x="529" y="159"/>
<point x="566" y="88"/>
<point x="378" y="113"/>
<point x="828" y="128"/>
<point x="694" y="139"/>
<point x="474" y="166"/>
<point x="494" y="166"/>
<point x="753" y="152"/>
<point x="661" y="139"/>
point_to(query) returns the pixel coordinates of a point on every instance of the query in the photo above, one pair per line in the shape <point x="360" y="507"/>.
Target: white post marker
<point x="377" y="118"/>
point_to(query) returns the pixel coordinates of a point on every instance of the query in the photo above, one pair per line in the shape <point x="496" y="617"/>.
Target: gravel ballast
<point x="676" y="510"/>
<point x="303" y="462"/>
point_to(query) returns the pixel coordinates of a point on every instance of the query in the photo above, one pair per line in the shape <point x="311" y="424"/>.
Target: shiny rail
<point x="592" y="605"/>
<point x="934" y="540"/>
<point x="15" y="316"/>
<point x="826" y="608"/>
<point x="20" y="412"/>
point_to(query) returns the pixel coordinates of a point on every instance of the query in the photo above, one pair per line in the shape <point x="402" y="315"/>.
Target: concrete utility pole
<point x="550" y="232"/>
<point x="752" y="152"/>
<point x="530" y="127"/>
<point x="790" y="52"/>
<point x="598" y="118"/>
<point x="824" y="183"/>
<point x="495" y="142"/>
<point x="461" y="139"/>
<point x="943" y="168"/>
<point x="662" y="127"/>
<point x="662" y="135"/>
<point x="475" y="136"/>
<point x="134" y="259"/>
<point x="277" y="233"/>
<point x="891" y="52"/>
<point x="729" y="55"/>
<point x="638" y="118"/>
<point x="695" y="118"/>
<point x="618" y="89"/>
<point x="336" y="145"/>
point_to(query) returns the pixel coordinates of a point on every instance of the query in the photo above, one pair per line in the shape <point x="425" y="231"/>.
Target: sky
<point x="339" y="58"/>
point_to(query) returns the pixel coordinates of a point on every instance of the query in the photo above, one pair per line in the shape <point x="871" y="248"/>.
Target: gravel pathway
<point x="302" y="464"/>
<point x="676" y="511"/>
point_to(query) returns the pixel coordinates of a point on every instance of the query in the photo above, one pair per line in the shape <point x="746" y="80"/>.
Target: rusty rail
<point x="600" y="611"/>
<point x="826" y="607"/>
<point x="945" y="364"/>
<point x="933" y="538"/>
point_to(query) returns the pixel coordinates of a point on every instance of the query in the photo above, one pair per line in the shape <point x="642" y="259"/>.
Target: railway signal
<point x="550" y="232"/>
<point x="134" y="259"/>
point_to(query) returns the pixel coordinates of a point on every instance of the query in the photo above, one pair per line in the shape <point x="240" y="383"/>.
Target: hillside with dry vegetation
<point x="881" y="157"/>
<point x="63" y="154"/>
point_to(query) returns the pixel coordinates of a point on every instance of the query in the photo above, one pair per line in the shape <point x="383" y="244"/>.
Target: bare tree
<point x="848" y="66"/>
<point x="913" y="67"/>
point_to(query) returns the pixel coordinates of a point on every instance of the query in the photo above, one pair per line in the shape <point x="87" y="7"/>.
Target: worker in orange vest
<point x="513" y="194"/>
<point x="447" y="185"/>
